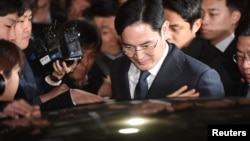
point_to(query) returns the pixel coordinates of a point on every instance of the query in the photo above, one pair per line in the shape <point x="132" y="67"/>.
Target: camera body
<point x="65" y="46"/>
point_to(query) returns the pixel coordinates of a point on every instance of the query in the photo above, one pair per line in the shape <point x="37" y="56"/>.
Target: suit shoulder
<point x="197" y="64"/>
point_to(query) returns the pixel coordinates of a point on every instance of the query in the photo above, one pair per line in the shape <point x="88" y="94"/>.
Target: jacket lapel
<point x="126" y="91"/>
<point x="170" y="70"/>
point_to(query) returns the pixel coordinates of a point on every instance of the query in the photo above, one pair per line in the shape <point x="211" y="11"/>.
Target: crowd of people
<point x="129" y="50"/>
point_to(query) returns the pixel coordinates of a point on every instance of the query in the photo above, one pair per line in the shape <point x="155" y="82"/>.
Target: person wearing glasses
<point x="242" y="56"/>
<point x="143" y="35"/>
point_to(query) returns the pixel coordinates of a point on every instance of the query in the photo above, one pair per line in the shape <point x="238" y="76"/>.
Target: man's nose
<point x="12" y="36"/>
<point x="139" y="53"/>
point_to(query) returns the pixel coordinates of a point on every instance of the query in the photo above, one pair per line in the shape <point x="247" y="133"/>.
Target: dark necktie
<point x="141" y="88"/>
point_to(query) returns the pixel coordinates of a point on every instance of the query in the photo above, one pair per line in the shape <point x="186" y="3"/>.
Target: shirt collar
<point x="222" y="46"/>
<point x="112" y="57"/>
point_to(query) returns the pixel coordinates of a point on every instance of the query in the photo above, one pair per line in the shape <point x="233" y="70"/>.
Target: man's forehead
<point x="11" y="17"/>
<point x="244" y="50"/>
<point x="243" y="44"/>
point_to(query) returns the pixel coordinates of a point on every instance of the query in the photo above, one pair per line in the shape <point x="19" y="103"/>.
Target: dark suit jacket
<point x="177" y="70"/>
<point x="195" y="47"/>
<point x="223" y="63"/>
<point x="242" y="90"/>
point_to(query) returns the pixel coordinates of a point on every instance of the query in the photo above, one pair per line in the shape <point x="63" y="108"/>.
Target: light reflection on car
<point x="153" y="119"/>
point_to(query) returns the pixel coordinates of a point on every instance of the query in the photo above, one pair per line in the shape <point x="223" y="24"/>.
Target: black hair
<point x="26" y="4"/>
<point x="243" y="28"/>
<point x="102" y="8"/>
<point x="10" y="6"/>
<point x="189" y="10"/>
<point x="146" y="11"/>
<point x="10" y="55"/>
<point x="237" y="5"/>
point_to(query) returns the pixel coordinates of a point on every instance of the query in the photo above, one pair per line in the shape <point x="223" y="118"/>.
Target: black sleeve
<point x="3" y="105"/>
<point x="61" y="101"/>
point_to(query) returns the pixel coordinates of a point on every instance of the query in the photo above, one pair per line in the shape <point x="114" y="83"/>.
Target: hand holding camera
<point x="61" y="50"/>
<point x="61" y="68"/>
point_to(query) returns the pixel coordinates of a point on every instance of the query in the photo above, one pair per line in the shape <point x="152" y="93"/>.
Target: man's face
<point x="7" y="26"/>
<point x="243" y="54"/>
<point x="86" y="63"/>
<point x="149" y="45"/>
<point x="76" y="8"/>
<point x="218" y="21"/>
<point x="110" y="40"/>
<point x="180" y="32"/>
<point x="23" y="30"/>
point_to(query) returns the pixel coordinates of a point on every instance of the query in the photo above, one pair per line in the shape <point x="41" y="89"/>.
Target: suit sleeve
<point x="210" y="84"/>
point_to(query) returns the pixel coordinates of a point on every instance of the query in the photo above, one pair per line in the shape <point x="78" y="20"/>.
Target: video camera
<point x="64" y="46"/>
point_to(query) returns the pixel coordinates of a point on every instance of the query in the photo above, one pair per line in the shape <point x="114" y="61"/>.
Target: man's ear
<point x="165" y="29"/>
<point x="196" y="26"/>
<point x="236" y="16"/>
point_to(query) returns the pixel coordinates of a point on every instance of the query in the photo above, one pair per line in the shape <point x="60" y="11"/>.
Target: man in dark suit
<point x="143" y="33"/>
<point x="220" y="19"/>
<point x="184" y="17"/>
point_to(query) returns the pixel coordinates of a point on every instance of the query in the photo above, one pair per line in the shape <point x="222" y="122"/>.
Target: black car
<point x="148" y="120"/>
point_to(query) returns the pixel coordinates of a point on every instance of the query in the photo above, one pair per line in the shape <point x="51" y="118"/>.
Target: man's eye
<point x="128" y="47"/>
<point x="8" y="26"/>
<point x="240" y="58"/>
<point x="173" y="29"/>
<point x="213" y="14"/>
<point x="146" y="46"/>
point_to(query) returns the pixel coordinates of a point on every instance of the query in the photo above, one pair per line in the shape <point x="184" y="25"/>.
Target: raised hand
<point x="184" y="92"/>
<point x="60" y="69"/>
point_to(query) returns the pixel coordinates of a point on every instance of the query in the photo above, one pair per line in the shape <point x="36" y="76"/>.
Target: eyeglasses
<point x="130" y="50"/>
<point x="240" y="59"/>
